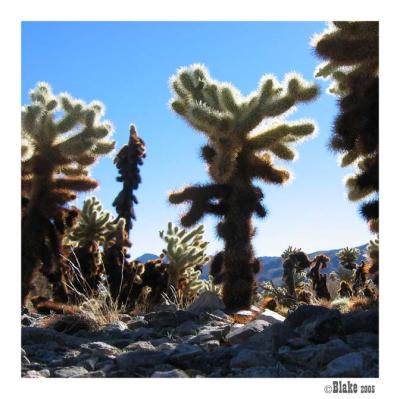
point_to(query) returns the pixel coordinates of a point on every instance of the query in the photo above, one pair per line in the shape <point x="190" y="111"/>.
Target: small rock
<point x="313" y="356"/>
<point x="90" y="363"/>
<point x="241" y="334"/>
<point x="125" y="318"/>
<point x="305" y="312"/>
<point x="298" y="342"/>
<point x="118" y="326"/>
<point x="143" y="333"/>
<point x="184" y="352"/>
<point x="94" y="374"/>
<point x="171" y="307"/>
<point x="250" y="358"/>
<point x="35" y="374"/>
<point x="70" y="372"/>
<point x="362" y="339"/>
<point x="349" y="365"/>
<point x="161" y="319"/>
<point x="132" y="360"/>
<point x="218" y="314"/>
<point x="136" y="323"/>
<point x="167" y="347"/>
<point x="206" y="301"/>
<point x="141" y="345"/>
<point x="210" y="345"/>
<point x="271" y="317"/>
<point x="361" y="321"/>
<point x="322" y="327"/>
<point x="187" y="328"/>
<point x="175" y="373"/>
<point x="100" y="349"/>
<point x="259" y="372"/>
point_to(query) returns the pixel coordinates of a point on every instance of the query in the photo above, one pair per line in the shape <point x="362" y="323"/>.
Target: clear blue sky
<point x="127" y="66"/>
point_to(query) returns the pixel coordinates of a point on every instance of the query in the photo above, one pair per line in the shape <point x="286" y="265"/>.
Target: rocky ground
<point x="203" y="341"/>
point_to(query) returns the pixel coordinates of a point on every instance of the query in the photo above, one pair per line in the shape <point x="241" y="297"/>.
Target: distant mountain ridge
<point x="271" y="266"/>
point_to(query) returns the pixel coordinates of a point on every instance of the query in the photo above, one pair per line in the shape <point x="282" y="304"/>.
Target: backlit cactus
<point x="128" y="160"/>
<point x="235" y="155"/>
<point x="352" y="53"/>
<point x="57" y="152"/>
<point x="185" y="249"/>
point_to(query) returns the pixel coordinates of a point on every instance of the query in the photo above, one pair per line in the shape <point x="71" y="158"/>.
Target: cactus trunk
<point x="237" y="231"/>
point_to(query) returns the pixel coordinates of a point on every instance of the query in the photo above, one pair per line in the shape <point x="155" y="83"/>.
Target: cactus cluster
<point x="352" y="53"/>
<point x="186" y="253"/>
<point x="235" y="156"/>
<point x="56" y="154"/>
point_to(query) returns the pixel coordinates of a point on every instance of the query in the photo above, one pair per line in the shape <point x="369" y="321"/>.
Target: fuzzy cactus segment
<point x="61" y="138"/>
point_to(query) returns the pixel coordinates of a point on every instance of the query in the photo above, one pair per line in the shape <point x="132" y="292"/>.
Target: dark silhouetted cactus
<point x="345" y="290"/>
<point x="352" y="53"/>
<point x="294" y="262"/>
<point x="128" y="160"/>
<point x="373" y="258"/>
<point x="57" y="152"/>
<point x="235" y="156"/>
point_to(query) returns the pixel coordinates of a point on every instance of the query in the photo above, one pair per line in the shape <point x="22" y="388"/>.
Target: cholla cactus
<point x="373" y="257"/>
<point x="57" y="152"/>
<point x="347" y="257"/>
<point x="184" y="250"/>
<point x="94" y="223"/>
<point x="235" y="156"/>
<point x="191" y="283"/>
<point x="128" y="160"/>
<point x="352" y="53"/>
<point x="289" y="251"/>
<point x="94" y="228"/>
<point x="210" y="285"/>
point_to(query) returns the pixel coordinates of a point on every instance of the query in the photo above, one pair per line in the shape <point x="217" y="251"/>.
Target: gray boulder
<point x="206" y="302"/>
<point x="241" y="334"/>
<point x="349" y="365"/>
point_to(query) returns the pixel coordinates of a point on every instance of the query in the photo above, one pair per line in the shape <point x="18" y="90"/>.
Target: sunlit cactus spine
<point x="128" y="160"/>
<point x="235" y="156"/>
<point x="351" y="50"/>
<point x="62" y="137"/>
<point x="185" y="249"/>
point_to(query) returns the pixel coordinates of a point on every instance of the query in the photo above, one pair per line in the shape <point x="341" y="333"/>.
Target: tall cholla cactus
<point x="128" y="160"/>
<point x="235" y="156"/>
<point x="347" y="257"/>
<point x="184" y="250"/>
<point x="56" y="155"/>
<point x="352" y="53"/>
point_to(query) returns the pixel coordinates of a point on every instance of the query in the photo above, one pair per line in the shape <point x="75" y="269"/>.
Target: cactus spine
<point x="235" y="156"/>
<point x="57" y="153"/>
